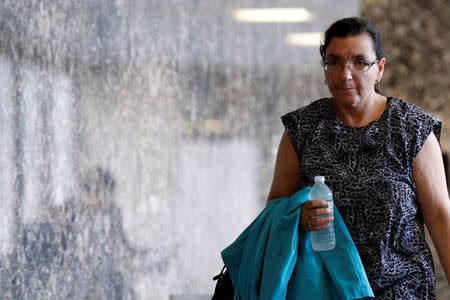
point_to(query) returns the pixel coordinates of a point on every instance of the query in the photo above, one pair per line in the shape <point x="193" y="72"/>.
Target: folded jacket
<point x="273" y="258"/>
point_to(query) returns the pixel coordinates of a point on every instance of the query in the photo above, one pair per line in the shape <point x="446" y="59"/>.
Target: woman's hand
<point x="315" y="215"/>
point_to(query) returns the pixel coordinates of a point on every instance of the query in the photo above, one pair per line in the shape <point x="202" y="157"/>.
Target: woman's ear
<point x="380" y="65"/>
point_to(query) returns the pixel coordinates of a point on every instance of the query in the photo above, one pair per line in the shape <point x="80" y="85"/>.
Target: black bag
<point x="224" y="288"/>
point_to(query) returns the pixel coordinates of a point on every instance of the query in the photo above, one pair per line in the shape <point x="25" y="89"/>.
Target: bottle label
<point x="331" y="203"/>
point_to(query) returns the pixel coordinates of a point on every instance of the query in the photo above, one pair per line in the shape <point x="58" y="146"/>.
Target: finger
<point x="317" y="203"/>
<point x="317" y="212"/>
<point x="321" y="221"/>
<point x="312" y="210"/>
<point x="315" y="224"/>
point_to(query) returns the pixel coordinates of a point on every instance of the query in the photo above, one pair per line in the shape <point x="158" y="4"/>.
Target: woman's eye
<point x="332" y="63"/>
<point x="361" y="62"/>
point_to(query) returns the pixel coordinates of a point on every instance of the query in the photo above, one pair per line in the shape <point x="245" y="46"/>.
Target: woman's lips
<point x="349" y="90"/>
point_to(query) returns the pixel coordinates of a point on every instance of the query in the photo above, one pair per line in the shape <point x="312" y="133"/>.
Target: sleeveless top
<point x="369" y="169"/>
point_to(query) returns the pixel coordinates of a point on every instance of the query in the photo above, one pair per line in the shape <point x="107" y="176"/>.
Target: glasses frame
<point x="350" y="66"/>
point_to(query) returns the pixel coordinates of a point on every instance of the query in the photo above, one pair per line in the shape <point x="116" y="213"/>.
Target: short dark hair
<point x="351" y="27"/>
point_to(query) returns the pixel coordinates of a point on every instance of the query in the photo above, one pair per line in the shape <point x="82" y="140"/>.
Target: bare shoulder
<point x="429" y="176"/>
<point x="429" y="153"/>
<point x="286" y="175"/>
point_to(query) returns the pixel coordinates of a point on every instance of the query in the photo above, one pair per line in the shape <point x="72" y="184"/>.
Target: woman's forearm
<point x="439" y="229"/>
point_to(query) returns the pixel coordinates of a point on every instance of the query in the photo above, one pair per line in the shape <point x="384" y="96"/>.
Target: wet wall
<point x="138" y="139"/>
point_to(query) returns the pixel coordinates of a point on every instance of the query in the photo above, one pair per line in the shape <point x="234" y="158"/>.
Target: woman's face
<point x="348" y="86"/>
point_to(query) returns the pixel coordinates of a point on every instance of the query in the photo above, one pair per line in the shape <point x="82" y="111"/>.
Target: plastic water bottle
<point x="324" y="239"/>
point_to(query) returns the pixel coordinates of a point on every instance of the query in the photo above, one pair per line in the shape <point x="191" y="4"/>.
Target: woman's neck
<point x="362" y="114"/>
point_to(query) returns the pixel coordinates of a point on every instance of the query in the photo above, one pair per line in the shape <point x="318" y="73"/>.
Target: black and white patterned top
<point x="369" y="169"/>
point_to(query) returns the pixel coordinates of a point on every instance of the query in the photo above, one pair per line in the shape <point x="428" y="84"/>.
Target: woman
<point x="381" y="158"/>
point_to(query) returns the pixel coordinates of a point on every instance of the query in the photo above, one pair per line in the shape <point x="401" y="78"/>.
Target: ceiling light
<point x="309" y="39"/>
<point x="271" y="15"/>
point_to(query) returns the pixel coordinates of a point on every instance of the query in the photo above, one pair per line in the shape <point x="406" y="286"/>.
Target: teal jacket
<point x="273" y="258"/>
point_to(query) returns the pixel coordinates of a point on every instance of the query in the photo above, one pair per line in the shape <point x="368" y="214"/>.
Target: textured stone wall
<point x="138" y="138"/>
<point x="416" y="44"/>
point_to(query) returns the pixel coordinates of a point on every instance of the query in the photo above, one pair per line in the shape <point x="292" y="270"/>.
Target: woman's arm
<point x="429" y="176"/>
<point x="285" y="183"/>
<point x="286" y="175"/>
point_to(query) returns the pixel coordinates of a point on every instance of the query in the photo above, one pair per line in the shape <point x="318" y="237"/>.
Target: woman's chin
<point x="348" y="100"/>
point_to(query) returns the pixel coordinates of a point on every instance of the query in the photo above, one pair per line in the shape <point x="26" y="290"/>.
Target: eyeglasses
<point x="357" y="65"/>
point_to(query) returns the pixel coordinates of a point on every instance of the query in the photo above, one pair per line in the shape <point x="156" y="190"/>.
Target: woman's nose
<point x="346" y="72"/>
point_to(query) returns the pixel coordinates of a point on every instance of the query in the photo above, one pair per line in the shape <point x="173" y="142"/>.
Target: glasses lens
<point x="333" y="66"/>
<point x="360" y="65"/>
<point x="357" y="65"/>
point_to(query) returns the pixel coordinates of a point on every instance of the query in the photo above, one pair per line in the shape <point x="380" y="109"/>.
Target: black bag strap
<point x="220" y="275"/>
<point x="224" y="287"/>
